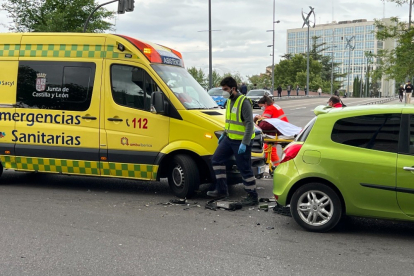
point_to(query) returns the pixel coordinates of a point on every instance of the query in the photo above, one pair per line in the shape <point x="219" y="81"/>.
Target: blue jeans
<point x="225" y="150"/>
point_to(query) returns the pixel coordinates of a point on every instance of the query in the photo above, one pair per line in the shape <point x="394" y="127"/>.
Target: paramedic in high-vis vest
<point x="236" y="140"/>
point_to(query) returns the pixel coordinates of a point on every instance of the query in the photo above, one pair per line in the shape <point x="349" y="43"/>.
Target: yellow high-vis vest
<point x="235" y="127"/>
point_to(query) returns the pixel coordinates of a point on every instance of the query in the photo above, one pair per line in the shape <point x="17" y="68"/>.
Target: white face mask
<point x="226" y="94"/>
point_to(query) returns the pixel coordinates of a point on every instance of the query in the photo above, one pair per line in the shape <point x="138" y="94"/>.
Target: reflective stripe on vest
<point x="235" y="127"/>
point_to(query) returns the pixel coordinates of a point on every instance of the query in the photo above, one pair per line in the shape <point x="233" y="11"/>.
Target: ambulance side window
<point x="132" y="86"/>
<point x="55" y="85"/>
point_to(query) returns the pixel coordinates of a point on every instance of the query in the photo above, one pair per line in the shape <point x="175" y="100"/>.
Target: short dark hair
<point x="265" y="99"/>
<point x="334" y="99"/>
<point x="229" y="81"/>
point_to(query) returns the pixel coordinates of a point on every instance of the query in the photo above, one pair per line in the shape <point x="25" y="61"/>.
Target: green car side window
<point x="376" y="132"/>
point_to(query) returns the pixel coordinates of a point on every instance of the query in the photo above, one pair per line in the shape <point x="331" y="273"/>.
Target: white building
<point x="335" y="36"/>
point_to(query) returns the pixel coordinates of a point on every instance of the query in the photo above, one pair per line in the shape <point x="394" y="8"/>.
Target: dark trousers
<point x="279" y="94"/>
<point x="297" y="92"/>
<point x="225" y="150"/>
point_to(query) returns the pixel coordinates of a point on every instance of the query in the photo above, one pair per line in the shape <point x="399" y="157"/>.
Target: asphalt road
<point x="61" y="225"/>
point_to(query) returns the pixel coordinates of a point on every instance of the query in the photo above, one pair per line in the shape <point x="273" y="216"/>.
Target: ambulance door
<point x="8" y="80"/>
<point x="57" y="128"/>
<point x="135" y="136"/>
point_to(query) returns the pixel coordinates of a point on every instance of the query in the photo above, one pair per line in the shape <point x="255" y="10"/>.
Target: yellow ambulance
<point x="107" y="105"/>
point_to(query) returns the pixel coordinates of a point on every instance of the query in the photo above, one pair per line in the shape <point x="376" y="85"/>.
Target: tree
<point x="199" y="76"/>
<point x="261" y="81"/>
<point x="397" y="63"/>
<point x="236" y="77"/>
<point x="216" y="78"/>
<point x="400" y="3"/>
<point x="56" y="16"/>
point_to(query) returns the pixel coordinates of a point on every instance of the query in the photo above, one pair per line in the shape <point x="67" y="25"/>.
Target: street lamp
<point x="273" y="47"/>
<point x="332" y="62"/>
<point x="307" y="23"/>
<point x="351" y="48"/>
<point x="369" y="59"/>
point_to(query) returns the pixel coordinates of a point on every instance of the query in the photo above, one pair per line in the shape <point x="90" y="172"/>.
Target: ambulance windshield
<point x="185" y="87"/>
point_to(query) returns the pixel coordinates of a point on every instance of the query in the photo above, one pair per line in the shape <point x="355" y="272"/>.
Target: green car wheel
<point x="316" y="207"/>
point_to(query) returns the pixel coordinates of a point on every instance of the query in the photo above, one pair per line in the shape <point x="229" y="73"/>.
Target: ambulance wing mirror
<point x="158" y="104"/>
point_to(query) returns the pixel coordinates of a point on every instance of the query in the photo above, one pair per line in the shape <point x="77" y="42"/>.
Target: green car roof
<point x="362" y="109"/>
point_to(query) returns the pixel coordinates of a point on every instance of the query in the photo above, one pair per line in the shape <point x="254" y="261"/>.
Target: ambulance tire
<point x="183" y="176"/>
<point x="1" y="168"/>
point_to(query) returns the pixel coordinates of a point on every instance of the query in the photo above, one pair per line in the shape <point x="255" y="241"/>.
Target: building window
<point x="369" y="45"/>
<point x="328" y="32"/>
<point x="349" y="30"/>
<point x="339" y="31"/>
<point x="291" y="43"/>
<point x="369" y="28"/>
<point x="359" y="29"/>
<point x="319" y="33"/>
<point x="359" y="45"/>
<point x="291" y="50"/>
<point x="358" y="53"/>
<point x="375" y="132"/>
<point x="300" y="49"/>
<point x="55" y="85"/>
<point x="291" y="35"/>
<point x="369" y="37"/>
<point x="359" y="37"/>
<point x="358" y="61"/>
<point x="380" y="45"/>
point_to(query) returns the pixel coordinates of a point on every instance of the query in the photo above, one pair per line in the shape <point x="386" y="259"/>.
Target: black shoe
<point x="250" y="200"/>
<point x="217" y="194"/>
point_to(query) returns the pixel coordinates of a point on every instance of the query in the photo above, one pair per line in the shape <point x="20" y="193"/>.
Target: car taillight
<point x="290" y="152"/>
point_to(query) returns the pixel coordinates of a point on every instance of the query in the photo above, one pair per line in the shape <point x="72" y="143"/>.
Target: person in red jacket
<point x="270" y="110"/>
<point x="335" y="101"/>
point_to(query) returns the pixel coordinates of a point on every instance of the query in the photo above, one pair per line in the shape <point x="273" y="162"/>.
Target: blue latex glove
<point x="221" y="137"/>
<point x="242" y="148"/>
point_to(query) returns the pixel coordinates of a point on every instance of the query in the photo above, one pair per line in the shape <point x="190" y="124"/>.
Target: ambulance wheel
<point x="183" y="176"/>
<point x="1" y="168"/>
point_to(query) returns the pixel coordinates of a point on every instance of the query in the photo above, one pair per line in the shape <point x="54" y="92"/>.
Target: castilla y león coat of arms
<point x="41" y="82"/>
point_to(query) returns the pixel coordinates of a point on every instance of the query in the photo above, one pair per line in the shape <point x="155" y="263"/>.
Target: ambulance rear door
<point x="9" y="62"/>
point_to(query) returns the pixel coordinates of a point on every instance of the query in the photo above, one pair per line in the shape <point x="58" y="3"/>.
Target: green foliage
<point x="398" y="63"/>
<point x="199" y="76"/>
<point x="56" y="16"/>
<point x="203" y="80"/>
<point x="261" y="81"/>
<point x="293" y="71"/>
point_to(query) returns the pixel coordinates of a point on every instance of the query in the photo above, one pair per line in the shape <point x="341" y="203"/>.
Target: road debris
<point x="282" y="210"/>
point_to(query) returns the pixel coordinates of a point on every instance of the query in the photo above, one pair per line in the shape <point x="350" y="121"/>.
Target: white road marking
<point x="299" y="108"/>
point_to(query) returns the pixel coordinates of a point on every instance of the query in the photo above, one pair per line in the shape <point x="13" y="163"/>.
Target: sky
<point x="240" y="39"/>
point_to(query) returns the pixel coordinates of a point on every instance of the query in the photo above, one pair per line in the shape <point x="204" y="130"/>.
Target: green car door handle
<point x="408" y="168"/>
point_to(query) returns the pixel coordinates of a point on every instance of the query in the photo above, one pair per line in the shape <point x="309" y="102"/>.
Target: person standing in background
<point x="243" y="89"/>
<point x="320" y="91"/>
<point x="401" y="92"/>
<point x="279" y="91"/>
<point x="297" y="89"/>
<point x="288" y="90"/>
<point x="408" y="91"/>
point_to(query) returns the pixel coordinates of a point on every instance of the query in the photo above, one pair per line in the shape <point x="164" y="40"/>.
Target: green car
<point x="353" y="161"/>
